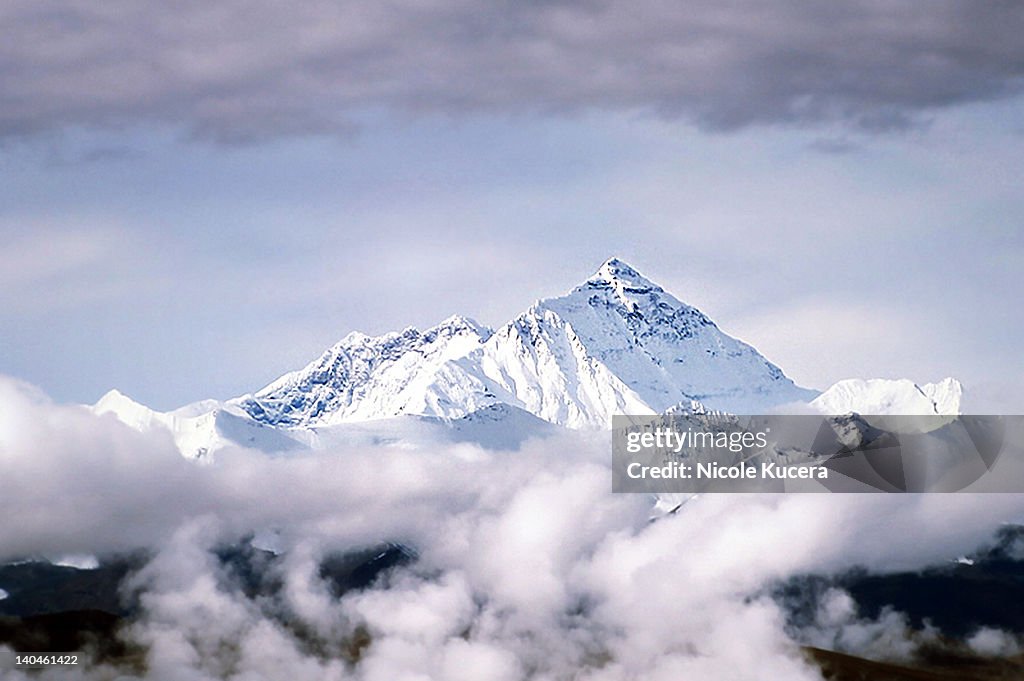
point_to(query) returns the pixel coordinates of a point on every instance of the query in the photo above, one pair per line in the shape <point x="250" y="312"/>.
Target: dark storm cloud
<point x="249" y="69"/>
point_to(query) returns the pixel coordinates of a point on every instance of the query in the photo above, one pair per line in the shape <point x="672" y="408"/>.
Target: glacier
<point x="616" y="344"/>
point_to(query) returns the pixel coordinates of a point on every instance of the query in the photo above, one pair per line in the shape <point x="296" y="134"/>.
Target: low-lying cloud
<point x="250" y="70"/>
<point x="528" y="566"/>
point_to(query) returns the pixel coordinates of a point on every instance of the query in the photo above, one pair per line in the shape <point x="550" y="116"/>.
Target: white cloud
<point x="989" y="641"/>
<point x="528" y="565"/>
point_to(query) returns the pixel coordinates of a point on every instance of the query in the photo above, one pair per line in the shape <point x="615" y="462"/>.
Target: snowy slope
<point x="198" y="429"/>
<point x="364" y="377"/>
<point x="538" y="363"/>
<point x="497" y="427"/>
<point x="883" y="396"/>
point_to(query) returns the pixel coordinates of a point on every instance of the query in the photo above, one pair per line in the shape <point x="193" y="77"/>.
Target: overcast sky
<point x="197" y="197"/>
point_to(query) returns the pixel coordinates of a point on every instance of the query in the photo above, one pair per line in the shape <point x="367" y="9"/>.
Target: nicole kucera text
<point x="677" y="470"/>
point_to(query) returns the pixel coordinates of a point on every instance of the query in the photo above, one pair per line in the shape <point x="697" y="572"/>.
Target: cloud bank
<point x="528" y="566"/>
<point x="252" y="69"/>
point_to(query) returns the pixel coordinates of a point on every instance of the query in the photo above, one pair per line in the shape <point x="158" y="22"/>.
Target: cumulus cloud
<point x="528" y="566"/>
<point x="889" y="636"/>
<point x="989" y="641"/>
<point x="240" y="70"/>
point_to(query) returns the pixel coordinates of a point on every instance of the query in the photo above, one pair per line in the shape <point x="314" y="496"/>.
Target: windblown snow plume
<point x="527" y="566"/>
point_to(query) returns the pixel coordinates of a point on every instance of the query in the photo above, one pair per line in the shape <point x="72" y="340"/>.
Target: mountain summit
<point x="621" y="277"/>
<point x="665" y="351"/>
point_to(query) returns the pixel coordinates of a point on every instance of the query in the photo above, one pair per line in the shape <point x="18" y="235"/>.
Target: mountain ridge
<point x="617" y="343"/>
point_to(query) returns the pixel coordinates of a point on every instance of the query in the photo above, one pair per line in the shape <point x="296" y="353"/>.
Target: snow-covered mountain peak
<point x="620" y="287"/>
<point x="886" y="396"/>
<point x="457" y="325"/>
<point x="125" y="409"/>
<point x="664" y="350"/>
<point x="112" y="399"/>
<point x="616" y="344"/>
<point x="619" y="276"/>
<point x="365" y="377"/>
